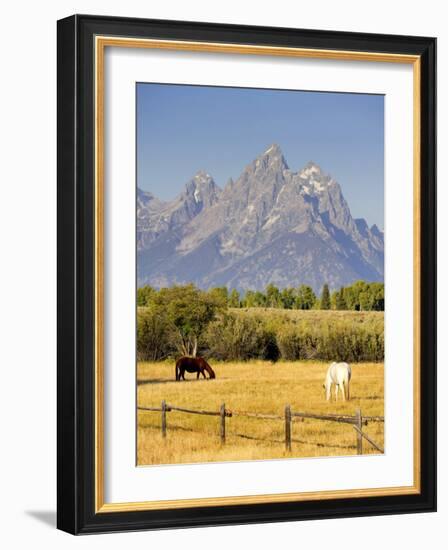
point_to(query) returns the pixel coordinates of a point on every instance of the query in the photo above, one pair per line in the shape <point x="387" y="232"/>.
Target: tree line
<point x="360" y="296"/>
<point x="184" y="320"/>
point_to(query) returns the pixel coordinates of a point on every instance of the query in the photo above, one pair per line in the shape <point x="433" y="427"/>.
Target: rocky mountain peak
<point x="362" y="226"/>
<point x="271" y="224"/>
<point x="376" y="231"/>
<point x="314" y="181"/>
<point x="271" y="160"/>
<point x="144" y="197"/>
<point x="201" y="179"/>
<point x="202" y="189"/>
<point x="146" y="201"/>
<point x="377" y="236"/>
<point x="312" y="171"/>
<point x="273" y="151"/>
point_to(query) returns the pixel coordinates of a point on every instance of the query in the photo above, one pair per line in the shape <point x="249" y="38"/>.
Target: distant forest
<point x="360" y="296"/>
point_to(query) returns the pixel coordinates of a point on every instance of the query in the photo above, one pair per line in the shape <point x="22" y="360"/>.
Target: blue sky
<point x="183" y="129"/>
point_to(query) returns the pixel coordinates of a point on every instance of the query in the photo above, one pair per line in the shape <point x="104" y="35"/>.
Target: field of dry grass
<point x="315" y="315"/>
<point x="255" y="386"/>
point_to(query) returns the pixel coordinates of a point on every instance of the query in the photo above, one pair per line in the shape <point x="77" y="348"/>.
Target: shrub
<point x="233" y="337"/>
<point x="153" y="336"/>
<point x="289" y="343"/>
<point x="347" y="342"/>
<point x="241" y="335"/>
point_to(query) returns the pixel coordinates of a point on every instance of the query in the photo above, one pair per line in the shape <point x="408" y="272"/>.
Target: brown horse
<point x="193" y="364"/>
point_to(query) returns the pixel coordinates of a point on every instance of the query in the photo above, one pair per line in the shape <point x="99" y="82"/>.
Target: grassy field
<point x="315" y="315"/>
<point x="260" y="387"/>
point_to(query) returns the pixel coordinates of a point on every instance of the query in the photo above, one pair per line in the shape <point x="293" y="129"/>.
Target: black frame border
<point x="76" y="269"/>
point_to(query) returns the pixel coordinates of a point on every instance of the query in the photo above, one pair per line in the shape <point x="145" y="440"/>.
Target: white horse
<point x="338" y="374"/>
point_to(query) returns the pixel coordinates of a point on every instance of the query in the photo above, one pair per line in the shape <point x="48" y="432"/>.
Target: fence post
<point x="164" y="418"/>
<point x="222" y="430"/>
<point x="288" y="427"/>
<point x="358" y="434"/>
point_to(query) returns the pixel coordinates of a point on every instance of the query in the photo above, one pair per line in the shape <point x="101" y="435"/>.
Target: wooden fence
<point x="357" y="421"/>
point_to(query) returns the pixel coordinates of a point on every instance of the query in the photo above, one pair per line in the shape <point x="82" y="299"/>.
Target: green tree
<point x="325" y="298"/>
<point x="153" y="335"/>
<point x="365" y="300"/>
<point x="188" y="311"/>
<point x="305" y="298"/>
<point x="377" y="293"/>
<point x="333" y="299"/>
<point x="353" y="295"/>
<point x="349" y="297"/>
<point x="340" y="299"/>
<point x="220" y="294"/>
<point x="273" y="297"/>
<point x="287" y="298"/>
<point x="144" y="295"/>
<point x="259" y="299"/>
<point x="234" y="298"/>
<point x="249" y="299"/>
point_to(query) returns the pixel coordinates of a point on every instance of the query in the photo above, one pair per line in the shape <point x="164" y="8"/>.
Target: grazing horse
<point x="193" y="364"/>
<point x="338" y="374"/>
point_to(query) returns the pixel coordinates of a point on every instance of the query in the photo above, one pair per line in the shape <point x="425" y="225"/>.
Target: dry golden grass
<point x="256" y="386"/>
<point x="315" y="315"/>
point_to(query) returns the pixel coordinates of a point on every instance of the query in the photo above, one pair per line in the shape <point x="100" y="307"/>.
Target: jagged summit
<point x="201" y="179"/>
<point x="146" y="200"/>
<point x="311" y="169"/>
<point x="376" y="230"/>
<point x="270" y="224"/>
<point x="273" y="150"/>
<point x="202" y="176"/>
<point x="202" y="189"/>
<point x="271" y="158"/>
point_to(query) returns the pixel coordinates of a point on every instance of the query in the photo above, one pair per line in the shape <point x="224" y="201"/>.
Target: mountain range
<point x="271" y="225"/>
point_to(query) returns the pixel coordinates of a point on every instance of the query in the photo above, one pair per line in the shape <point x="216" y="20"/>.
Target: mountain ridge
<point x="271" y="224"/>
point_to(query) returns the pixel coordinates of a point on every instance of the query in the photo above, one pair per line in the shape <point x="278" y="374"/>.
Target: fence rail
<point x="367" y="438"/>
<point x="345" y="419"/>
<point x="357" y="421"/>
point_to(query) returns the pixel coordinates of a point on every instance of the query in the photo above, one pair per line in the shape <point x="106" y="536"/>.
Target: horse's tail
<point x="347" y="382"/>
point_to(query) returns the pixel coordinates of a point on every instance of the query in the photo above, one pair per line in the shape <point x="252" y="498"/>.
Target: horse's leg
<point x="336" y="391"/>
<point x="347" y="388"/>
<point x="343" y="390"/>
<point x="197" y="375"/>
<point x="203" y="373"/>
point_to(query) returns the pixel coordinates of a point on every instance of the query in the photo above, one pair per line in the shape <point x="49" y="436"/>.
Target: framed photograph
<point x="246" y="274"/>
